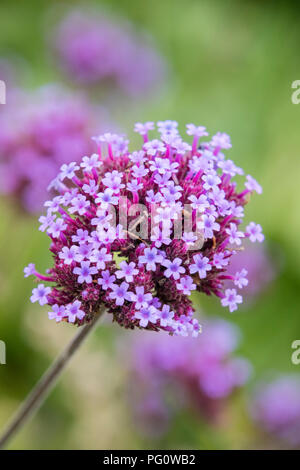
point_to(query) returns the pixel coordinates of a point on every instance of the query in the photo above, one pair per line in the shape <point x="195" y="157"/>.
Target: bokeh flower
<point x="144" y="276"/>
<point x="168" y="375"/>
<point x="39" y="131"/>
<point x="276" y="408"/>
<point x="94" y="48"/>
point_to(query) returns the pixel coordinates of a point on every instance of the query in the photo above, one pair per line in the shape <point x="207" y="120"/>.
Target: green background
<point x="231" y="66"/>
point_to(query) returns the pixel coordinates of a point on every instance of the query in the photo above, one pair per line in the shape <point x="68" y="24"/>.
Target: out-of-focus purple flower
<point x="94" y="48"/>
<point x="39" y="131"/>
<point x="177" y="373"/>
<point x="275" y="407"/>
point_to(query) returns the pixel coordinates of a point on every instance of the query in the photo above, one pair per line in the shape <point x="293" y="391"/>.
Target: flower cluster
<point x="144" y="277"/>
<point x="93" y="48"/>
<point x="38" y="133"/>
<point x="276" y="407"/>
<point x="171" y="374"/>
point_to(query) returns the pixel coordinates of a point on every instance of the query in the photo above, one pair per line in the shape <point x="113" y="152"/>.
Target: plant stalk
<point x="42" y="389"/>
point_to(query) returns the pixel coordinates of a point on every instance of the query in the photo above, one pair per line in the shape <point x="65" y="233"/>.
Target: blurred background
<point x="228" y="66"/>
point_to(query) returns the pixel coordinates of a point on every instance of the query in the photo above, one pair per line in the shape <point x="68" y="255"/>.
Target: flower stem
<point x="42" y="389"/>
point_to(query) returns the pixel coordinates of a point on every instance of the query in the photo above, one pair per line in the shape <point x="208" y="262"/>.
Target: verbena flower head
<point x="276" y="407"/>
<point x="94" y="48"/>
<point x="39" y="132"/>
<point x="168" y="375"/>
<point x="140" y="242"/>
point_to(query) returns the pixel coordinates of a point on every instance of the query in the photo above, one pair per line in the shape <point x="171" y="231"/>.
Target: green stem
<point x="42" y="389"/>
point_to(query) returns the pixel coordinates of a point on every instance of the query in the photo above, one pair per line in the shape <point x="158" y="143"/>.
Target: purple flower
<point x="113" y="181"/>
<point x="252" y="185"/>
<point x="234" y="235"/>
<point x="53" y="205"/>
<point x="221" y="140"/>
<point x="146" y="315"/>
<point x="140" y="298"/>
<point x="127" y="270"/>
<point x="186" y="285"/>
<point x="134" y="186"/>
<point x="200" y="203"/>
<point x="100" y="257"/>
<point x="254" y="232"/>
<point x="143" y="129"/>
<point x="220" y="260"/>
<point x="166" y="127"/>
<point x="30" y="270"/>
<point x="74" y="311"/>
<point x="262" y="268"/>
<point x="91" y="188"/>
<point x="208" y="225"/>
<point x="106" y="198"/>
<point x="90" y="163"/>
<point x="153" y="198"/>
<point x="173" y="268"/>
<point x="153" y="147"/>
<point x="162" y="180"/>
<point x="201" y="266"/>
<point x="139" y="171"/>
<point x="230" y="168"/>
<point x="96" y="246"/>
<point x="198" y="131"/>
<point x="107" y="280"/>
<point x="207" y="373"/>
<point x="40" y="294"/>
<point x="211" y="180"/>
<point x="85" y="272"/>
<point x="70" y="255"/>
<point x="79" y="205"/>
<point x="275" y="406"/>
<point x="46" y="221"/>
<point x="81" y="236"/>
<point x="137" y="157"/>
<point x="95" y="49"/>
<point x="58" y="313"/>
<point x="54" y="126"/>
<point x="240" y="279"/>
<point x="120" y="294"/>
<point x="151" y="257"/>
<point x="56" y="228"/>
<point x="68" y="171"/>
<point x="189" y="238"/>
<point x="231" y="299"/>
<point x="165" y="315"/>
<point x="161" y="237"/>
<point x="84" y="251"/>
